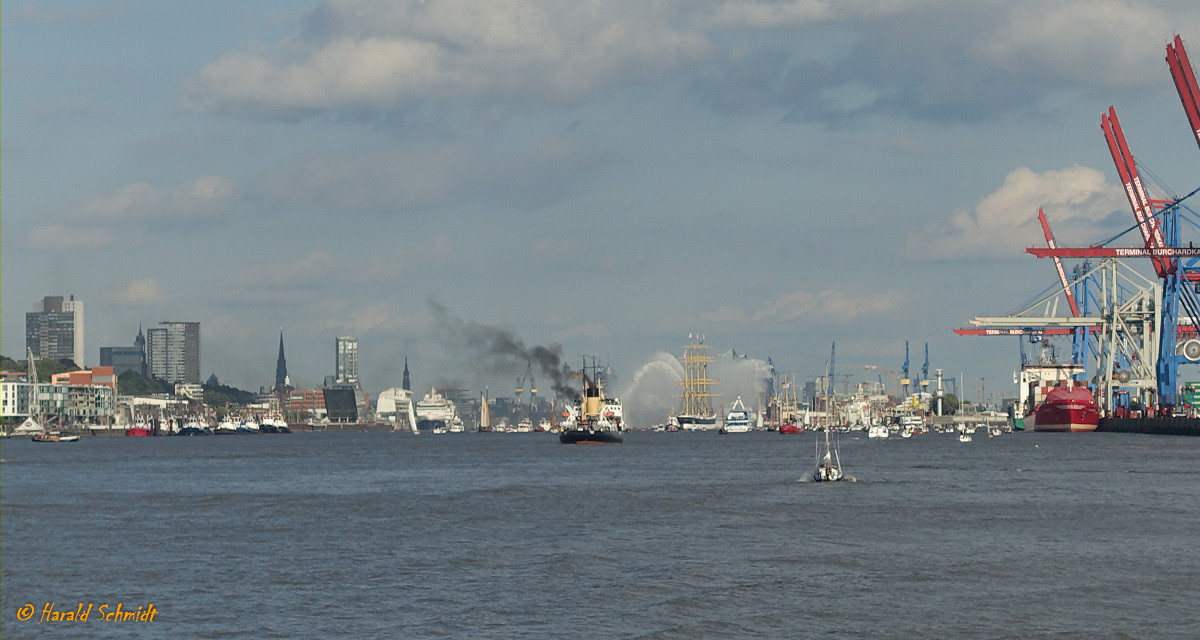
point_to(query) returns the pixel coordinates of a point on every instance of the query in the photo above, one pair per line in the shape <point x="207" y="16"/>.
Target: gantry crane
<point x="1138" y="323"/>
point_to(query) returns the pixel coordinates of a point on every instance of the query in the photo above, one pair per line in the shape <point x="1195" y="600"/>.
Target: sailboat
<point x="35" y="409"/>
<point x="829" y="465"/>
<point x="485" y="413"/>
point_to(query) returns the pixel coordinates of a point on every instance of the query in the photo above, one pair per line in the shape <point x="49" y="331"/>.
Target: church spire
<point x="405" y="383"/>
<point x="281" y="376"/>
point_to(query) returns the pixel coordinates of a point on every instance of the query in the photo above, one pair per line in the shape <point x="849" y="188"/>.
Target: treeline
<point x="132" y="383"/>
<point x="45" y="368"/>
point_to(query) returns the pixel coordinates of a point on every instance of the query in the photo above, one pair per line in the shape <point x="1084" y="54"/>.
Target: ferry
<point x="738" y="418"/>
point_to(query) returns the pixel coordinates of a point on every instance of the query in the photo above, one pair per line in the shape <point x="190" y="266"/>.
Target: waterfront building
<point x="123" y="359"/>
<point x="173" y="351"/>
<point x="393" y="405"/>
<point x="346" y="361"/>
<point x="342" y="403"/>
<point x="54" y="329"/>
<point x="73" y="397"/>
<point x="309" y="402"/>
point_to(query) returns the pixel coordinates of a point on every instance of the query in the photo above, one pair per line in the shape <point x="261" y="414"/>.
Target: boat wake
<point x="843" y="479"/>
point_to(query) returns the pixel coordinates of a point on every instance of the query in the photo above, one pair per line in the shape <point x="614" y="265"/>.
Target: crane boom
<point x="1185" y="82"/>
<point x="1114" y="252"/>
<point x="1143" y="211"/>
<point x="1062" y="274"/>
<point x="1006" y="331"/>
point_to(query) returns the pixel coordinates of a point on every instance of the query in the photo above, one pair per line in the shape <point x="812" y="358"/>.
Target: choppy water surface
<point x="379" y="535"/>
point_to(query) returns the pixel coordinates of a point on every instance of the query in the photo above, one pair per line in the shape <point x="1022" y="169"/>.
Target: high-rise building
<point x="173" y="352"/>
<point x="346" y="362"/>
<point x="54" y="329"/>
<point x="123" y="359"/>
<point x="405" y="383"/>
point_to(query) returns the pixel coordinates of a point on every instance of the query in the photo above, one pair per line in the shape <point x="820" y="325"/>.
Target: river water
<point x="685" y="535"/>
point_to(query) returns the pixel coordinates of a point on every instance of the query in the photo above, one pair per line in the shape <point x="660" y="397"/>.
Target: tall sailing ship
<point x="695" y="403"/>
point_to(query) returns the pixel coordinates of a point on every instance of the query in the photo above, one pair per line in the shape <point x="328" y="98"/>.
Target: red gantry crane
<point x="1185" y="83"/>
<point x="1139" y="201"/>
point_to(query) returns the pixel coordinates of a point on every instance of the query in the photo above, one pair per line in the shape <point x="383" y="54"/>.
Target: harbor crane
<point x="1136" y="329"/>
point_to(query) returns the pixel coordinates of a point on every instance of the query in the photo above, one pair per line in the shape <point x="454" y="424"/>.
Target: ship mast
<point x="696" y="399"/>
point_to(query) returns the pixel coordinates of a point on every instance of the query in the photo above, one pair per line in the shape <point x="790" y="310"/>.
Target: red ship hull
<point x="790" y="428"/>
<point x="1067" y="409"/>
<point x="137" y="431"/>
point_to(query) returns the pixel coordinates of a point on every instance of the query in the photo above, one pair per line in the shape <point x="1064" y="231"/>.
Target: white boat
<point x="877" y="431"/>
<point x="964" y="433"/>
<point x="525" y="425"/>
<point x="437" y="413"/>
<point x="53" y="436"/>
<point x="829" y="465"/>
<point x="738" y="418"/>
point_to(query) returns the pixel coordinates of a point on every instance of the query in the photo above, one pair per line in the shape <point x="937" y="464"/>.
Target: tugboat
<point x="597" y="419"/>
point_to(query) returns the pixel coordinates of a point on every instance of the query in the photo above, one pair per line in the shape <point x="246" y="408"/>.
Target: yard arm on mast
<point x="1135" y="192"/>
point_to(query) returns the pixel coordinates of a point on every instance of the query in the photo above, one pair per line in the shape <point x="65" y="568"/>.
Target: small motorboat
<point x="53" y="437"/>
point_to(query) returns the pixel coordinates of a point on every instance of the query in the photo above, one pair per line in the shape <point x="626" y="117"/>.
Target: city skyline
<point x="775" y="175"/>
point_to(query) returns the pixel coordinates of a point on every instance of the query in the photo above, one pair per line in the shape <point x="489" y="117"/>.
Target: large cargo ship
<point x="1067" y="409"/>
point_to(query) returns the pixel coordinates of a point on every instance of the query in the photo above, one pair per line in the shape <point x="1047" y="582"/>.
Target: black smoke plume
<point x="498" y="352"/>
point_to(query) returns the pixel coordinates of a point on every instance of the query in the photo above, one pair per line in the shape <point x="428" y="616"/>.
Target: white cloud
<point x="378" y="317"/>
<point x="821" y="306"/>
<point x="139" y="200"/>
<point x="143" y="292"/>
<point x="779" y="13"/>
<point x="386" y="54"/>
<point x="1005" y="222"/>
<point x="1086" y="41"/>
<point x="587" y="330"/>
<point x="63" y="237"/>
<point x="827" y="304"/>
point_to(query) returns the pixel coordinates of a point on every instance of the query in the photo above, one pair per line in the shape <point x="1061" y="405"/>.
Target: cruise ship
<point x="437" y="413"/>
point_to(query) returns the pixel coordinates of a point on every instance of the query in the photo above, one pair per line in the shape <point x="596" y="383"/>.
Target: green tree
<point x="132" y="383"/>
<point x="950" y="404"/>
<point x="45" y="367"/>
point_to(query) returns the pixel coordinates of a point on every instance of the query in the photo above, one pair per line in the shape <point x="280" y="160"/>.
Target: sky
<point x="607" y="176"/>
